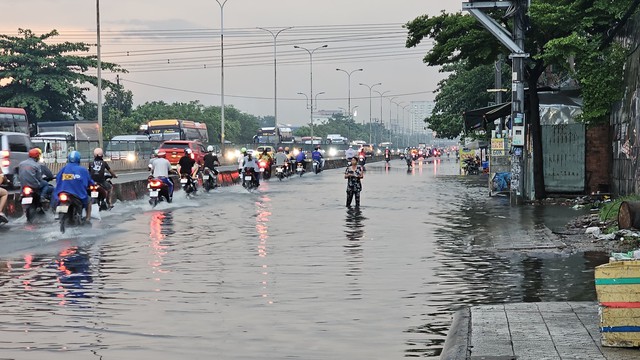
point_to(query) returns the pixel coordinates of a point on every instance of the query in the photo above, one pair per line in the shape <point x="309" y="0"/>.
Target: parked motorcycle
<point x="471" y="167"/>
<point x="158" y="191"/>
<point x="69" y="210"/>
<point x="209" y="179"/>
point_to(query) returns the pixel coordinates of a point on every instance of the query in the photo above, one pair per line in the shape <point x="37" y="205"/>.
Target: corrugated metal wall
<point x="564" y="158"/>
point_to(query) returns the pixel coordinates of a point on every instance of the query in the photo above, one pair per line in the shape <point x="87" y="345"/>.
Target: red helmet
<point x="35" y="153"/>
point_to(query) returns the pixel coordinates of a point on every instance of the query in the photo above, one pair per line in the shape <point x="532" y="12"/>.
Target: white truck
<point x="336" y="139"/>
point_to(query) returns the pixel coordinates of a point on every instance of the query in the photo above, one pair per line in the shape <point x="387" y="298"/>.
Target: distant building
<point x="419" y="111"/>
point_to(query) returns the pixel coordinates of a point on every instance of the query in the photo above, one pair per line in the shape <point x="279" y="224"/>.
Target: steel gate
<point x="563" y="148"/>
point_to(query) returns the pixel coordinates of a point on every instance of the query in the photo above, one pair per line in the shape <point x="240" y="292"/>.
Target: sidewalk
<point x="530" y="331"/>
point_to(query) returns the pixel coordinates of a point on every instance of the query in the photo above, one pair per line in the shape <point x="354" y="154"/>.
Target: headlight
<point x="333" y="152"/>
<point x="296" y="152"/>
<point x="378" y="151"/>
<point x="131" y="157"/>
<point x="232" y="154"/>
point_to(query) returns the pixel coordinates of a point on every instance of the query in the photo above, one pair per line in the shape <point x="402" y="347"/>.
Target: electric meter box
<point x="518" y="136"/>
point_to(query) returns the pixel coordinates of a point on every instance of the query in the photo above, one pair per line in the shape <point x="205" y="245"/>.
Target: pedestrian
<point x="3" y="200"/>
<point x="354" y="174"/>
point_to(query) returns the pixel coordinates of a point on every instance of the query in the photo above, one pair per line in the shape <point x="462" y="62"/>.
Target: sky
<point x="172" y="50"/>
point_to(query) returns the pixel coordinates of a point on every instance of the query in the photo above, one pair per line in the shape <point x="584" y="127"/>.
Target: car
<point x="14" y="148"/>
<point x="368" y="149"/>
<point x="175" y="150"/>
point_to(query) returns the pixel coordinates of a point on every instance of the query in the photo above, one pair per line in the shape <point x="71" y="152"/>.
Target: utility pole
<point x="515" y="43"/>
<point x="99" y="64"/>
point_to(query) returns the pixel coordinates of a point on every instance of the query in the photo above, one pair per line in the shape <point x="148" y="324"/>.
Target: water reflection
<point x="74" y="275"/>
<point x="354" y="231"/>
<point x="263" y="213"/>
<point x="160" y="226"/>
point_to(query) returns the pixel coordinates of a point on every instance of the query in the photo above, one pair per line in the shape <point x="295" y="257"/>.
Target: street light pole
<point x="99" y="64"/>
<point x="311" y="80"/>
<point x="222" y="3"/>
<point x="349" y="86"/>
<point x="382" y="122"/>
<point x="410" y="133"/>
<point x="370" y="89"/>
<point x="275" y="72"/>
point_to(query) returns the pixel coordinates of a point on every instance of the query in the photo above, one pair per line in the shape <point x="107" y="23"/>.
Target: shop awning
<point x="480" y="118"/>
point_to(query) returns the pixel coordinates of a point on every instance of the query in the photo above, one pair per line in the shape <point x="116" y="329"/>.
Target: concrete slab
<point x="536" y="331"/>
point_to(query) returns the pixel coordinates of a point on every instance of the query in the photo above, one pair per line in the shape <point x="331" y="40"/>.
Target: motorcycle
<point x="99" y="194"/>
<point x="471" y="167"/>
<point x="361" y="161"/>
<point x="409" y="163"/>
<point x="265" y="169"/>
<point x="317" y="166"/>
<point x="32" y="203"/>
<point x="209" y="179"/>
<point x="69" y="210"/>
<point x="280" y="172"/>
<point x="402" y="156"/>
<point x="188" y="184"/>
<point x="249" y="179"/>
<point x="158" y="191"/>
<point x="300" y="168"/>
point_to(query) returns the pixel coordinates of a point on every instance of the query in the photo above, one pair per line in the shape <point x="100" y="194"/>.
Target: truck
<point x="82" y="136"/>
<point x="336" y="139"/>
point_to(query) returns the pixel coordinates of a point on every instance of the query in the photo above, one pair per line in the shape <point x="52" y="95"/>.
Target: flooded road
<point x="284" y="272"/>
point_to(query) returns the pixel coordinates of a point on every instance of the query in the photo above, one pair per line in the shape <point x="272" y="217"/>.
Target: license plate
<point x="205" y="177"/>
<point x="248" y="178"/>
<point x="94" y="194"/>
<point x="183" y="181"/>
<point x="261" y="169"/>
<point x="279" y="170"/>
<point x="27" y="201"/>
<point x="153" y="193"/>
<point x="62" y="209"/>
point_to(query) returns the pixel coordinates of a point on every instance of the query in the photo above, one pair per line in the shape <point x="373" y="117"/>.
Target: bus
<point x="174" y="129"/>
<point x="267" y="135"/>
<point x="14" y="120"/>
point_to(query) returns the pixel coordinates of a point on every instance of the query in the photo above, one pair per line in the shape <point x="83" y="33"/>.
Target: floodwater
<point x="286" y="272"/>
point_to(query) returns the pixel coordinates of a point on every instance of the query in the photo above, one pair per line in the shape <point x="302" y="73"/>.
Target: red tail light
<point x="263" y="164"/>
<point x="93" y="187"/>
<point x="27" y="191"/>
<point x="193" y="156"/>
<point x="63" y="197"/>
<point x="155" y="183"/>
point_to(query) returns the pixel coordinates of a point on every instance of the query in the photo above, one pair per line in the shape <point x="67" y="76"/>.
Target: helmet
<point x="161" y="154"/>
<point x="243" y="150"/>
<point x="210" y="148"/>
<point x="350" y="146"/>
<point x="286" y="148"/>
<point x="97" y="152"/>
<point x="35" y="153"/>
<point x="280" y="148"/>
<point x="74" y="157"/>
<point x="188" y="151"/>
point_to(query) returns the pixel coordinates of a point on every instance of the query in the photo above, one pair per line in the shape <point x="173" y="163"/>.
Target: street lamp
<point x="99" y="64"/>
<point x="349" y="85"/>
<point x="411" y="132"/>
<point x="222" y="3"/>
<point x="275" y="73"/>
<point x="381" y="94"/>
<point x="370" y="87"/>
<point x="311" y="80"/>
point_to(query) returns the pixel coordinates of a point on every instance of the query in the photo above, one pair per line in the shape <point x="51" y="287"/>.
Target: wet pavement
<point x="284" y="272"/>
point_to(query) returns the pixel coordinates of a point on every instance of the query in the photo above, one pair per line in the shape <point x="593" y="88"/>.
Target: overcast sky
<point x="172" y="49"/>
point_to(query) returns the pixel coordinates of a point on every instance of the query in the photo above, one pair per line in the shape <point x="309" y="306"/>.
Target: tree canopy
<point x="47" y="79"/>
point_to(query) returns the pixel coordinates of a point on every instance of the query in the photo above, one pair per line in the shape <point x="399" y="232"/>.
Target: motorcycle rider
<point x="160" y="168"/>
<point x="250" y="162"/>
<point x="300" y="159"/>
<point x="243" y="155"/>
<point x="353" y="173"/>
<point x="316" y="155"/>
<point x="264" y="156"/>
<point x="97" y="170"/>
<point x="187" y="166"/>
<point x="281" y="159"/>
<point x="4" y="194"/>
<point x="32" y="173"/>
<point x="75" y="180"/>
<point x="350" y="153"/>
<point x="211" y="160"/>
<point x="387" y="154"/>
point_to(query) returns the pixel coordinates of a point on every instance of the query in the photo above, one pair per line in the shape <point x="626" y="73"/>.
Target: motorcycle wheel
<point x="63" y="220"/>
<point x="153" y="202"/>
<point x="30" y="213"/>
<point x="206" y="185"/>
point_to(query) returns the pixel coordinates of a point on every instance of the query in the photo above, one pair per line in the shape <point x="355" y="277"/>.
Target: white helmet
<point x="188" y="150"/>
<point x="97" y="152"/>
<point x="210" y="148"/>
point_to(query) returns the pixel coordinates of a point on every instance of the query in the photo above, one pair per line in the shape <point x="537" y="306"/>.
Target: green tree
<point x="47" y="79"/>
<point x="555" y="28"/>
<point x="464" y="89"/>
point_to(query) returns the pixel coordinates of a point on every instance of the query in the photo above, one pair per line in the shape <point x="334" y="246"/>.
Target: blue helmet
<point x="74" y="157"/>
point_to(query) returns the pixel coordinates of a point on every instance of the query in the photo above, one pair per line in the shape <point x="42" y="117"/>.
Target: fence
<point x="55" y="151"/>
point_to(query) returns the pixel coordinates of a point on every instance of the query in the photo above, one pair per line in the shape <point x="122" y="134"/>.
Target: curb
<point x="456" y="346"/>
